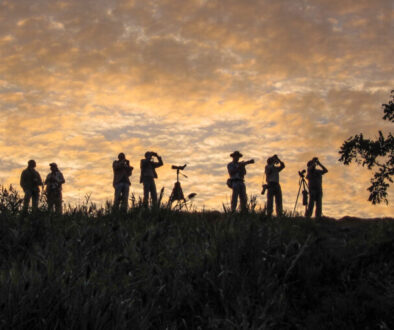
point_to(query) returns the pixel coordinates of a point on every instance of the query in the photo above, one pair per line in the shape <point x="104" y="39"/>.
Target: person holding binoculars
<point x="148" y="176"/>
<point x="314" y="177"/>
<point x="272" y="169"/>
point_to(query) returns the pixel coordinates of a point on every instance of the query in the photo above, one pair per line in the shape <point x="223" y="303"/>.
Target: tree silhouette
<point x="374" y="154"/>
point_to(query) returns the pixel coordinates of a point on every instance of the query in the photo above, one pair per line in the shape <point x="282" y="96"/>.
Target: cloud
<point x="81" y="81"/>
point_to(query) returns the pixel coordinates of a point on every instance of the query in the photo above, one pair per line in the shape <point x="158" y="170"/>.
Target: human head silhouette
<point x="53" y="167"/>
<point x="31" y="163"/>
<point x="236" y="155"/>
<point x="121" y="156"/>
<point x="148" y="155"/>
<point x="311" y="164"/>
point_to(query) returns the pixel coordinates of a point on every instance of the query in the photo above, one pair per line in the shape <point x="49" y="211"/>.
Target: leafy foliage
<point x="374" y="154"/>
<point x="157" y="268"/>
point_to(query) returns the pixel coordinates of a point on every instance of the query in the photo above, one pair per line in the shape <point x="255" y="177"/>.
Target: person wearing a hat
<point x="122" y="172"/>
<point x="148" y="176"/>
<point x="53" y="182"/>
<point x="31" y="182"/>
<point x="274" y="189"/>
<point x="237" y="171"/>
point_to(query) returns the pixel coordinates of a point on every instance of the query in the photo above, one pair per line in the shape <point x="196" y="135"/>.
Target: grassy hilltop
<point x="162" y="269"/>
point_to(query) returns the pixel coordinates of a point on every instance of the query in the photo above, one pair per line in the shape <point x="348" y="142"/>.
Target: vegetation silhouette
<point x="156" y="268"/>
<point x="374" y="154"/>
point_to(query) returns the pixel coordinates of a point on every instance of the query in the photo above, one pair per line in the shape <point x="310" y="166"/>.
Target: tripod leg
<point x="305" y="187"/>
<point x="171" y="199"/>
<point x="295" y="205"/>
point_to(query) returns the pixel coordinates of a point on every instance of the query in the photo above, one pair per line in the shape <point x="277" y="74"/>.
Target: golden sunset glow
<point x="81" y="81"/>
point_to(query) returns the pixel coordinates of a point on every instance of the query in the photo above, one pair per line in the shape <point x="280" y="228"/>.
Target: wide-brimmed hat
<point x="236" y="153"/>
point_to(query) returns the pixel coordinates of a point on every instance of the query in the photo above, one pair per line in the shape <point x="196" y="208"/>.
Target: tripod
<point x="177" y="192"/>
<point x="302" y="184"/>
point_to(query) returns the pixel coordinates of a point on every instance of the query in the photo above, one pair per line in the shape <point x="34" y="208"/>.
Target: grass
<point x="161" y="269"/>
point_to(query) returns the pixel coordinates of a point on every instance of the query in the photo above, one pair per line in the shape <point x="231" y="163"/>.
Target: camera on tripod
<point x="303" y="188"/>
<point x="177" y="192"/>
<point x="178" y="168"/>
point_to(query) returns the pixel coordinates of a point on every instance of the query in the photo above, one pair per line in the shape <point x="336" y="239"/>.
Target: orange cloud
<point x="193" y="80"/>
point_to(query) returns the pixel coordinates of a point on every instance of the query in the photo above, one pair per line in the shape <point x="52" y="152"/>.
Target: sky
<point x="81" y="81"/>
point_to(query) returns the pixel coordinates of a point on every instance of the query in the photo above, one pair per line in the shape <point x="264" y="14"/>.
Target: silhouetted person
<point x="121" y="183"/>
<point x="272" y="169"/>
<point x="54" y="181"/>
<point x="314" y="177"/>
<point x="148" y="175"/>
<point x="31" y="182"/>
<point x="237" y="171"/>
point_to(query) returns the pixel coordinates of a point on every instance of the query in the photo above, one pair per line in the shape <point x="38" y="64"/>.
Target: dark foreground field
<point x="161" y="269"/>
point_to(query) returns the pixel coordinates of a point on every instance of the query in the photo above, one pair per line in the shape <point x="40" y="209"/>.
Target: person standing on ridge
<point x="122" y="172"/>
<point x="237" y="172"/>
<point x="314" y="177"/>
<point x="148" y="176"/>
<point x="30" y="182"/>
<point x="273" y="186"/>
<point x="53" y="182"/>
